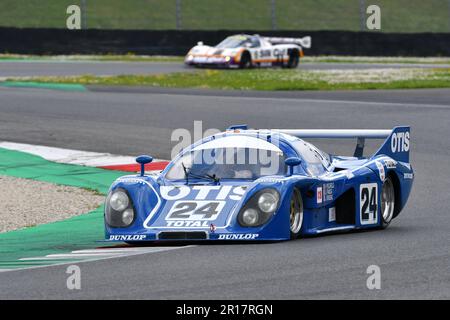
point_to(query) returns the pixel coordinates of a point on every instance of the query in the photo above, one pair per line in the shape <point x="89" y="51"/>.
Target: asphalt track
<point x="413" y="253"/>
<point x="68" y="68"/>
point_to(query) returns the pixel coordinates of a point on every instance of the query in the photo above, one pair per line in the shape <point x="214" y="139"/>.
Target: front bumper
<point x="211" y="61"/>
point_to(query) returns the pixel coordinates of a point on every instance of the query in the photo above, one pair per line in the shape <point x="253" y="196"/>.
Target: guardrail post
<point x="84" y="14"/>
<point x="362" y="14"/>
<point x="178" y="14"/>
<point x="273" y="14"/>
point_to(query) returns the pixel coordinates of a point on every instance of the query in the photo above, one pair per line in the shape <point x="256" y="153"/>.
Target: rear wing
<point x="396" y="144"/>
<point x="304" y="42"/>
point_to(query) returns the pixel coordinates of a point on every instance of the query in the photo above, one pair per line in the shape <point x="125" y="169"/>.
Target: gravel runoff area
<point x="26" y="203"/>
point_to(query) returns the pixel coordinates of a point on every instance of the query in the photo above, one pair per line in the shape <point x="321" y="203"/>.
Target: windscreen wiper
<point x="212" y="177"/>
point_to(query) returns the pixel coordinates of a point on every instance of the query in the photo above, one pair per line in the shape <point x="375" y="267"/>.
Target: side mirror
<point x="291" y="163"/>
<point x="200" y="43"/>
<point x="143" y="160"/>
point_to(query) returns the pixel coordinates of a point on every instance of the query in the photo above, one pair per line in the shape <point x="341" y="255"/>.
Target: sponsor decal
<point x="328" y="191"/>
<point x="390" y="164"/>
<point x="381" y="170"/>
<point x="128" y="237"/>
<point x="187" y="223"/>
<point x="130" y="180"/>
<point x="408" y="176"/>
<point x="195" y="210"/>
<point x="238" y="236"/>
<point x="319" y="194"/>
<point x="203" y="192"/>
<point x="212" y="228"/>
<point x="368" y="203"/>
<point x="400" y="142"/>
<point x="271" y="180"/>
<point x="332" y="214"/>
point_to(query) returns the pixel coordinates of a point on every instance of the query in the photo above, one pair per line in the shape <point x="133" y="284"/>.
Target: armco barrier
<point x="173" y="42"/>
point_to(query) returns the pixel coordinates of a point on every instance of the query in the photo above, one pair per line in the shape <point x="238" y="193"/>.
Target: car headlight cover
<point x="259" y="208"/>
<point x="119" y="211"/>
<point x="119" y="201"/>
<point x="128" y="216"/>
<point x="268" y="201"/>
<point x="250" y="217"/>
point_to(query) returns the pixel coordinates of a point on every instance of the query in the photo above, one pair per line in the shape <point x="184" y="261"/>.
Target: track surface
<point x="413" y="253"/>
<point x="55" y="68"/>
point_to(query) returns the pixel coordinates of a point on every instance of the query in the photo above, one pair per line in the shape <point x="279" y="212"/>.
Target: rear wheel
<point x="296" y="214"/>
<point x="246" y="60"/>
<point x="294" y="58"/>
<point x="387" y="202"/>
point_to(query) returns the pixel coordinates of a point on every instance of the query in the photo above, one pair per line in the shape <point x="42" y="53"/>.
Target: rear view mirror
<point x="291" y="163"/>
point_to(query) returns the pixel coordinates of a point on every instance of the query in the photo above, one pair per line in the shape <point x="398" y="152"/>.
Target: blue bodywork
<point x="332" y="198"/>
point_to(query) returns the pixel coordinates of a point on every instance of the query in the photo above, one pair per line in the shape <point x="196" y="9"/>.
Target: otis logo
<point x="400" y="142"/>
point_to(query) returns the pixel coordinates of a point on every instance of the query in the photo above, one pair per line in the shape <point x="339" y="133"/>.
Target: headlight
<point x="190" y="57"/>
<point x="250" y="217"/>
<point x="128" y="216"/>
<point x="119" y="201"/>
<point x="119" y="212"/>
<point x="227" y="59"/>
<point x="259" y="208"/>
<point x="268" y="201"/>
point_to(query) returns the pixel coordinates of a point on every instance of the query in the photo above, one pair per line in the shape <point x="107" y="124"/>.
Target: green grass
<point x="397" y="15"/>
<point x="108" y="57"/>
<point x="144" y="58"/>
<point x="274" y="79"/>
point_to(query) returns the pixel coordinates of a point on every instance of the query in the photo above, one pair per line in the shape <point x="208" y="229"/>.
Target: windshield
<point x="227" y="163"/>
<point x="317" y="160"/>
<point x="233" y="42"/>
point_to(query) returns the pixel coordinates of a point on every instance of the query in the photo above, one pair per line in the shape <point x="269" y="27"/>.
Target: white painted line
<point x="112" y="250"/>
<point x="335" y="101"/>
<point x="100" y="254"/>
<point x="69" y="256"/>
<point x="335" y="229"/>
<point x="71" y="156"/>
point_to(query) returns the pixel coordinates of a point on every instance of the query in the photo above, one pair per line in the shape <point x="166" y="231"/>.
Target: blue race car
<point x="263" y="185"/>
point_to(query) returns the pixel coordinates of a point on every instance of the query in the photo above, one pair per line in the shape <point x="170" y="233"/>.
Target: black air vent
<point x="183" y="235"/>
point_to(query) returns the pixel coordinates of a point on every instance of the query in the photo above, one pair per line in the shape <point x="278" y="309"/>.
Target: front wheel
<point x="387" y="202"/>
<point x="296" y="214"/>
<point x="246" y="60"/>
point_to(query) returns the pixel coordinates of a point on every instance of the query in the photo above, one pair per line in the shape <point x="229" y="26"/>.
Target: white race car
<point x="246" y="51"/>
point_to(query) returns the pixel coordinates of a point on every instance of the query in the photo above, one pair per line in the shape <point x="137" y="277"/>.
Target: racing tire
<point x="246" y="60"/>
<point x="387" y="202"/>
<point x="295" y="214"/>
<point x="294" y="58"/>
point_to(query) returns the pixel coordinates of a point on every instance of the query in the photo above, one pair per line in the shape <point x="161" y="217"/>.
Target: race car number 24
<point x="368" y="203"/>
<point x="195" y="210"/>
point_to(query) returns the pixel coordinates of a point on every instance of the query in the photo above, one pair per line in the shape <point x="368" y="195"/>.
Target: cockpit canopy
<point x="230" y="157"/>
<point x="237" y="41"/>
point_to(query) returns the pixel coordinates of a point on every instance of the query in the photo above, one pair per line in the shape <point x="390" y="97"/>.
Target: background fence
<point x="402" y="16"/>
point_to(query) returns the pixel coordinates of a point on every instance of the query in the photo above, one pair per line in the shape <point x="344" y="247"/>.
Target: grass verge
<point x="274" y="79"/>
<point x="130" y="57"/>
<point x="79" y="232"/>
<point x="107" y="57"/>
